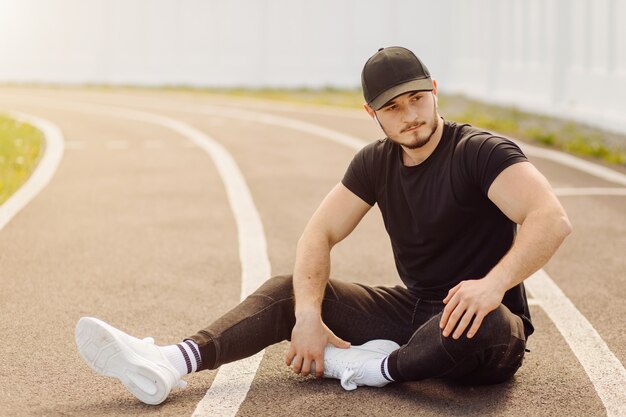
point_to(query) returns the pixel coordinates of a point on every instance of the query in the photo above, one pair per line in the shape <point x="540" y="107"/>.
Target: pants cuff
<point x="208" y="351"/>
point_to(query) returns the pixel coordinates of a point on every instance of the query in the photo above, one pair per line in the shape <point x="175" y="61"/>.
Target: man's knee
<point x="495" y="329"/>
<point x="501" y="321"/>
<point x="277" y="288"/>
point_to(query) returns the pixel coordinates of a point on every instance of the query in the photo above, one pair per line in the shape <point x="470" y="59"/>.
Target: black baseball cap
<point x="390" y="72"/>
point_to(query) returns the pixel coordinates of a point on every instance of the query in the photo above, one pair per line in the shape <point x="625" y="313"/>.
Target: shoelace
<point x="182" y="384"/>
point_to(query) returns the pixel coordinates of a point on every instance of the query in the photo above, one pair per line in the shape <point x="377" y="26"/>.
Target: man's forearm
<point x="311" y="272"/>
<point x="538" y="238"/>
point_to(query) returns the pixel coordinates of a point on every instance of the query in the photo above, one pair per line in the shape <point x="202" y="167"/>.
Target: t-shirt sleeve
<point x="358" y="177"/>
<point x="486" y="156"/>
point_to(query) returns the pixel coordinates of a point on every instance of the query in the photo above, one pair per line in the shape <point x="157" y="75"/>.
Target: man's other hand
<point x="472" y="299"/>
<point x="309" y="337"/>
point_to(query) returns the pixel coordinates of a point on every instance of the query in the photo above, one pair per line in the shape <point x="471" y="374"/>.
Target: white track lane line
<point x="47" y="166"/>
<point x="542" y="280"/>
<point x="233" y="381"/>
<point x="604" y="369"/>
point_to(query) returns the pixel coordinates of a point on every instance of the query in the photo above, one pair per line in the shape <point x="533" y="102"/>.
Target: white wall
<point x="563" y="57"/>
<point x="202" y="42"/>
<point x="560" y="57"/>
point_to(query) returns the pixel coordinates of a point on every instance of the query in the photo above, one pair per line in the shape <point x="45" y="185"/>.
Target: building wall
<point x="561" y="57"/>
<point x="287" y="43"/>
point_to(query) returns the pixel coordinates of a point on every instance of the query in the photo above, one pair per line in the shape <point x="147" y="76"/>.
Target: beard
<point x="419" y="137"/>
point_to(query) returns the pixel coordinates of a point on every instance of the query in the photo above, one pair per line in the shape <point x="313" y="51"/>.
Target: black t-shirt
<point x="443" y="227"/>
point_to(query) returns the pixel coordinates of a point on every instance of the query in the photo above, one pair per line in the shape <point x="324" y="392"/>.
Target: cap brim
<point x="422" y="84"/>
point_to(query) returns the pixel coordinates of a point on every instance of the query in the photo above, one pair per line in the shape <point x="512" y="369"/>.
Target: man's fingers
<point x="447" y="312"/>
<point x="290" y="355"/>
<point x="475" y="326"/>
<point x="451" y="293"/>
<point x="296" y="364"/>
<point x="455" y="315"/>
<point x="337" y="342"/>
<point x="306" y="367"/>
<point x="465" y="321"/>
<point x="319" y="366"/>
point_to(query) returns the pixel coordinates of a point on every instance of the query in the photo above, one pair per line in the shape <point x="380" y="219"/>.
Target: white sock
<point x="385" y="370"/>
<point x="375" y="373"/>
<point x="184" y="356"/>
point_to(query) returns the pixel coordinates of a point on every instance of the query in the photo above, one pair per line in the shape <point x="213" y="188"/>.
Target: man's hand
<point x="309" y="337"/>
<point x="468" y="300"/>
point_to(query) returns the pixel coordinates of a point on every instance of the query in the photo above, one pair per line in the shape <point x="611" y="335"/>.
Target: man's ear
<point x="369" y="110"/>
<point x="434" y="87"/>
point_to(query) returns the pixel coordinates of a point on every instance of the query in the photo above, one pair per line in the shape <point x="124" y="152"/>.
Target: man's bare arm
<point x="335" y="218"/>
<point x="524" y="195"/>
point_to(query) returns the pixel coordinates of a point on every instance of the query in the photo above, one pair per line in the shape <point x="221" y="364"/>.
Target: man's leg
<point x="354" y="312"/>
<point x="493" y="355"/>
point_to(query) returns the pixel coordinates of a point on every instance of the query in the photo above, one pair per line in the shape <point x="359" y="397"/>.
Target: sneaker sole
<point x="107" y="354"/>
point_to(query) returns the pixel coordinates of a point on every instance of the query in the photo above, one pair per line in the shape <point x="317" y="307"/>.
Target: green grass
<point x="568" y="136"/>
<point x="20" y="149"/>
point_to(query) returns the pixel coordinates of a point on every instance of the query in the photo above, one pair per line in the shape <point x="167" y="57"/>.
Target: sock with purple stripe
<point x="195" y="350"/>
<point x="375" y="373"/>
<point x="184" y="356"/>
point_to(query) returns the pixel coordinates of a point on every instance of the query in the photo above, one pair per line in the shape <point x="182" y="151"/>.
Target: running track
<point x="165" y="209"/>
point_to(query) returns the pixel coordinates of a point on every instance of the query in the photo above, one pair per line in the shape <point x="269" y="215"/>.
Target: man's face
<point x="410" y="119"/>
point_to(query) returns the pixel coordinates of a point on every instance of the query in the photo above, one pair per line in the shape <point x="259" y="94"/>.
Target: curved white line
<point x="252" y="244"/>
<point x="47" y="166"/>
<point x="233" y="381"/>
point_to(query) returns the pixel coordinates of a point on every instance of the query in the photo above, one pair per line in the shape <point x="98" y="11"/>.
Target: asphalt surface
<point x="135" y="228"/>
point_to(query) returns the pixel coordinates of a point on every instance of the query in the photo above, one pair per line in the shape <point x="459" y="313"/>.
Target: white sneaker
<point x="138" y="364"/>
<point x="358" y="365"/>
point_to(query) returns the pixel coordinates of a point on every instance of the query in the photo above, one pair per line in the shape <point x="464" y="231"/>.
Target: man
<point x="451" y="197"/>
